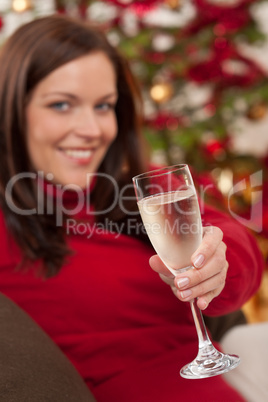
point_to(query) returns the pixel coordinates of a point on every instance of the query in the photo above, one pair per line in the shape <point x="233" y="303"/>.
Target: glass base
<point x="212" y="364"/>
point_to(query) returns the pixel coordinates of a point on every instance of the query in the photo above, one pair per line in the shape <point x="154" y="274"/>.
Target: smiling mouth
<point x="81" y="154"/>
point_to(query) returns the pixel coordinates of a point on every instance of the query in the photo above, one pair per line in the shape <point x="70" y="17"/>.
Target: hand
<point x="207" y="280"/>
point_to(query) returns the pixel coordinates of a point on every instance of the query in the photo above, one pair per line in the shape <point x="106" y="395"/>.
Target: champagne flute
<point x="170" y="212"/>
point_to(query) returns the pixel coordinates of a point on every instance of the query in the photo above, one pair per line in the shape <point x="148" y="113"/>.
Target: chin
<point x="75" y="186"/>
<point x="71" y="183"/>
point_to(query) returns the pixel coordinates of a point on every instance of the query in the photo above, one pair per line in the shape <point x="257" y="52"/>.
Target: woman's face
<point x="71" y="119"/>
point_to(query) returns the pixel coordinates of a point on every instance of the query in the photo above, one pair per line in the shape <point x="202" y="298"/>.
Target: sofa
<point x="32" y="367"/>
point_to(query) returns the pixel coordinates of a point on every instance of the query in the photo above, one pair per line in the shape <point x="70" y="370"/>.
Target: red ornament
<point x="219" y="29"/>
<point x="140" y="4"/>
<point x="213" y="147"/>
<point x="230" y="17"/>
<point x="155" y="57"/>
<point x="210" y="109"/>
<point x="214" y="69"/>
<point x="164" y="120"/>
<point x="220" y="43"/>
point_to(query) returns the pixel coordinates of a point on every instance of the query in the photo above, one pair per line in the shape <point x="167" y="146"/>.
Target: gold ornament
<point x="174" y="4"/>
<point x="257" y="111"/>
<point x="21" y="5"/>
<point x="161" y="93"/>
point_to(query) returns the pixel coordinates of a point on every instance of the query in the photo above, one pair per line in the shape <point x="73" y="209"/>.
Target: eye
<point x="60" y="106"/>
<point x="105" y="106"/>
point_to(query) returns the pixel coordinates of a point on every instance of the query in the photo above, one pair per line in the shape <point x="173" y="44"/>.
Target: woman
<point x="75" y="255"/>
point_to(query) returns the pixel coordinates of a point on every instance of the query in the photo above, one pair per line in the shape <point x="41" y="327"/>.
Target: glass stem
<point x="203" y="338"/>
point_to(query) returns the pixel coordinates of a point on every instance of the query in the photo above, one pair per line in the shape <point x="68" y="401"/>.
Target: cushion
<point x="32" y="367"/>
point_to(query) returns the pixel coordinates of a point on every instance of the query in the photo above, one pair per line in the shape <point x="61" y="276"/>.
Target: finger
<point x="206" y="290"/>
<point x="168" y="280"/>
<point x="215" y="265"/>
<point x="205" y="300"/>
<point x="158" y="266"/>
<point x="212" y="237"/>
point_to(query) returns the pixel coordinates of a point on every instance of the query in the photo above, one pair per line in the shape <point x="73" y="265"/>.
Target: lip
<point x="80" y="156"/>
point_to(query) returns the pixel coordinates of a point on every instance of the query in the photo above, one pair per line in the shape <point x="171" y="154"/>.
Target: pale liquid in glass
<point x="173" y="223"/>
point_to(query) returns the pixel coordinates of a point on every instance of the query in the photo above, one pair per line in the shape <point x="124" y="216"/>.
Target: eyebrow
<point x="70" y="95"/>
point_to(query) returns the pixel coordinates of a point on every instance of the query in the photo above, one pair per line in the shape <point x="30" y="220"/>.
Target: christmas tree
<point x="196" y="81"/>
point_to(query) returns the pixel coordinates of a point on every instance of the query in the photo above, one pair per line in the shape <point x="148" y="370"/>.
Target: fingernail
<point x="198" y="261"/>
<point x="186" y="293"/>
<point x="182" y="282"/>
<point x="204" y="305"/>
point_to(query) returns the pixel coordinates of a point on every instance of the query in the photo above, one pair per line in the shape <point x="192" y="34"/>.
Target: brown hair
<point x="28" y="56"/>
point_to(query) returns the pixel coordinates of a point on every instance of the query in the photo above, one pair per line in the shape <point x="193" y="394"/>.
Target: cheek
<point x="42" y="130"/>
<point x="38" y="139"/>
<point x="33" y="137"/>
<point x="35" y="130"/>
<point x="111" y="130"/>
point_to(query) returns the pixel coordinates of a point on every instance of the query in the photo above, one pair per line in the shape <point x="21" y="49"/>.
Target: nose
<point x="87" y="123"/>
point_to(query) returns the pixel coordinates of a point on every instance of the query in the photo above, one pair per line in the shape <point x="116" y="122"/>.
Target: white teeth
<point x="79" y="154"/>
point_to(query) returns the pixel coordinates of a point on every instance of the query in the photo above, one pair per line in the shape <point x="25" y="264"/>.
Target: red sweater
<point x="118" y="323"/>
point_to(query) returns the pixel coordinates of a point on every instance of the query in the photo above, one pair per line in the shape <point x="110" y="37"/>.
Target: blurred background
<point x="203" y="70"/>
